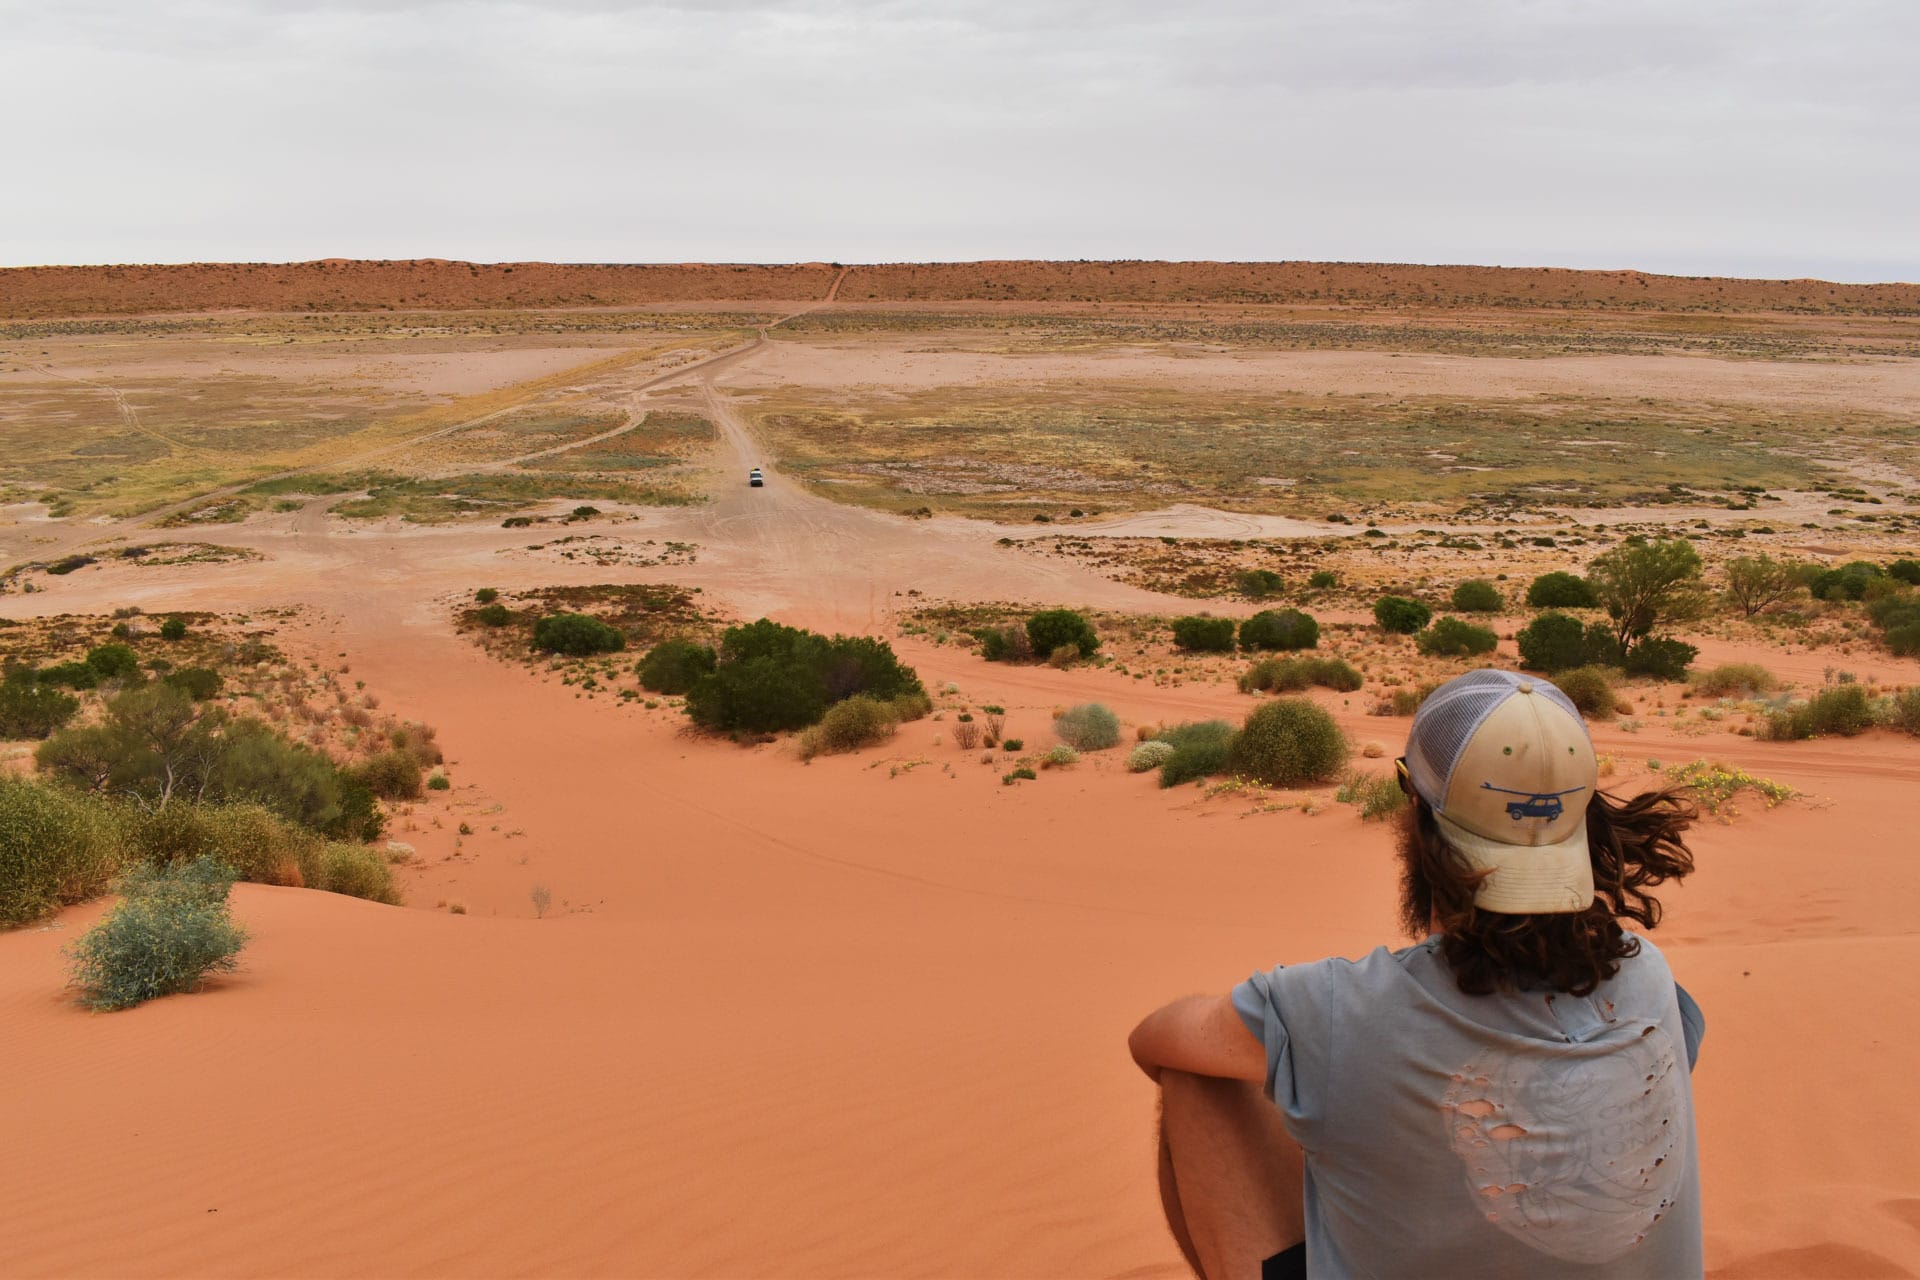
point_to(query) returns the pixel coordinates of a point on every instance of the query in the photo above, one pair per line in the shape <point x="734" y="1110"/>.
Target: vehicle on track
<point x="755" y="479"/>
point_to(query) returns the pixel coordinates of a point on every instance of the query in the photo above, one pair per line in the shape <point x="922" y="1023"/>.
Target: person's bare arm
<point x="1198" y="1034"/>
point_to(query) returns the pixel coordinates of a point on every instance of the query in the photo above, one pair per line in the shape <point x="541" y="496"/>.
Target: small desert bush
<point x="770" y="677"/>
<point x="485" y="595"/>
<point x="1660" y="657"/>
<point x="1843" y="711"/>
<point x="198" y="683"/>
<point x="1149" y="755"/>
<point x="493" y="615"/>
<point x="1322" y="580"/>
<point x="1005" y="644"/>
<point x="1374" y="796"/>
<point x="1290" y="675"/>
<point x="1258" y="584"/>
<point x="1280" y="629"/>
<point x="1050" y="630"/>
<point x="1060" y="757"/>
<point x="174" y="629"/>
<point x="966" y="733"/>
<point x="1064" y="656"/>
<point x="1903" y="712"/>
<point x="1455" y="638"/>
<point x="114" y="662"/>
<point x="358" y="871"/>
<point x="1477" y="595"/>
<point x="1556" y="641"/>
<point x="1400" y="615"/>
<point x="1198" y="634"/>
<point x="1561" y="590"/>
<point x="1200" y="750"/>
<point x="31" y="707"/>
<point x="576" y="635"/>
<point x="170" y="929"/>
<point x="417" y="740"/>
<point x="672" y="666"/>
<point x="1020" y="773"/>
<point x="439" y="782"/>
<point x="848" y="725"/>
<point x="1734" y="680"/>
<point x="1287" y="743"/>
<point x="1590" y="690"/>
<point x="1089" y="727"/>
<point x="56" y="848"/>
<point x="1847" y="582"/>
<point x="392" y="775"/>
<point x="1404" y="702"/>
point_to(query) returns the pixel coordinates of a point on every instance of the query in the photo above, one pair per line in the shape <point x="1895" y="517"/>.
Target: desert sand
<point x="863" y="1016"/>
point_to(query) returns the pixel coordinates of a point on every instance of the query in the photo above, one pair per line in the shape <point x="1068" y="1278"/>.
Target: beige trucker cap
<point x="1504" y="761"/>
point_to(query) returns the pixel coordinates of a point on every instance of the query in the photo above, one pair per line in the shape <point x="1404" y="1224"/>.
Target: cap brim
<point x="1527" y="879"/>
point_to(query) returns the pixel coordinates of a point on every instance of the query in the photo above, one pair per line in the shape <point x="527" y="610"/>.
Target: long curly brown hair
<point x="1635" y="845"/>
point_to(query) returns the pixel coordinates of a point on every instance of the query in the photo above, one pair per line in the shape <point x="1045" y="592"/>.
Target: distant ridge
<point x="433" y="284"/>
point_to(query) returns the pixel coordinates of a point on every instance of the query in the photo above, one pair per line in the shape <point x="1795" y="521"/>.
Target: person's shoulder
<point x="1379" y="966"/>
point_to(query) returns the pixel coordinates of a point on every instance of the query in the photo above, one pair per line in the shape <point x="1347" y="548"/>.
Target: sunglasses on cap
<point x="1404" y="778"/>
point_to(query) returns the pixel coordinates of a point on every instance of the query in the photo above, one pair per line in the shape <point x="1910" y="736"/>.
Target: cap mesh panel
<point x="1446" y="720"/>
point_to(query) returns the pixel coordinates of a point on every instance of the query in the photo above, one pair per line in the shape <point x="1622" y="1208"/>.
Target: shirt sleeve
<point x="1692" y="1022"/>
<point x="1286" y="1009"/>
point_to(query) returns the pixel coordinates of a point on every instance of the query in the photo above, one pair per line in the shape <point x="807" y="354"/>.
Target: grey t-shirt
<point x="1503" y="1135"/>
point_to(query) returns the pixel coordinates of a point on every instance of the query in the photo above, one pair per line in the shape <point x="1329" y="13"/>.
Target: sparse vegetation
<point x="170" y="930"/>
<point x="1281" y="629"/>
<point x="1477" y="595"/>
<point x="1843" y="711"/>
<point x="1201" y="634"/>
<point x="1373" y="795"/>
<point x="848" y="725"/>
<point x="1290" y="675"/>
<point x="1399" y="615"/>
<point x="1734" y="680"/>
<point x="1088" y="727"/>
<point x="1455" y="638"/>
<point x="1289" y="742"/>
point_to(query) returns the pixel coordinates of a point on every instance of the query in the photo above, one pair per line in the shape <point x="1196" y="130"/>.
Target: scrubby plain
<point x="873" y="978"/>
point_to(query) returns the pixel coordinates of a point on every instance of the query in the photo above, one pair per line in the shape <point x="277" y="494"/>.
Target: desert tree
<point x="1754" y="582"/>
<point x="1644" y="584"/>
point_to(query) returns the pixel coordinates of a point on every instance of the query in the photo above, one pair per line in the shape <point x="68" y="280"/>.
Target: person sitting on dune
<point x="1509" y="1097"/>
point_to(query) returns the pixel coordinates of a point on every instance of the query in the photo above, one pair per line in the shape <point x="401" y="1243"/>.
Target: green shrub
<point x="1477" y="595"/>
<point x="1149" y="755"/>
<point x="1065" y="656"/>
<point x="770" y="677"/>
<point x="1289" y="675"/>
<point x="848" y="725"/>
<point x="485" y="595"/>
<point x="439" y="782"/>
<point x="1904" y="641"/>
<point x="1200" y="750"/>
<point x="911" y="705"/>
<point x="1590" y="689"/>
<point x="1089" y="726"/>
<point x="1004" y="644"/>
<point x="1375" y="796"/>
<point x="1019" y="774"/>
<point x="1843" y="711"/>
<point x="1734" y="680"/>
<point x="1013" y="744"/>
<point x="1660" y="657"/>
<point x="1258" y="584"/>
<point x="56" y="848"/>
<point x="672" y="666"/>
<point x="1903" y="713"/>
<point x="1287" y="629"/>
<point x="1198" y="634"/>
<point x="1053" y="629"/>
<point x="30" y="708"/>
<point x="1289" y="742"/>
<point x="198" y="683"/>
<point x="493" y="615"/>
<point x="170" y="930"/>
<point x="174" y="628"/>
<point x="1905" y="570"/>
<point x="576" y="635"/>
<point x="1847" y="582"/>
<point x="1323" y="580"/>
<point x="1400" y="615"/>
<point x="113" y="661"/>
<point x="392" y="775"/>
<point x="1456" y="638"/>
<point x="1561" y="590"/>
<point x="70" y="675"/>
<point x="1060" y="756"/>
<point x="1552" y="642"/>
<point x="358" y="871"/>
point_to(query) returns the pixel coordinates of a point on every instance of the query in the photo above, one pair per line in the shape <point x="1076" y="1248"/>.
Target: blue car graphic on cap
<point x="1537" y="804"/>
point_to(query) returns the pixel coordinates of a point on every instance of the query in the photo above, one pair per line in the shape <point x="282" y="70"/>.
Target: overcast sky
<point x="1738" y="137"/>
